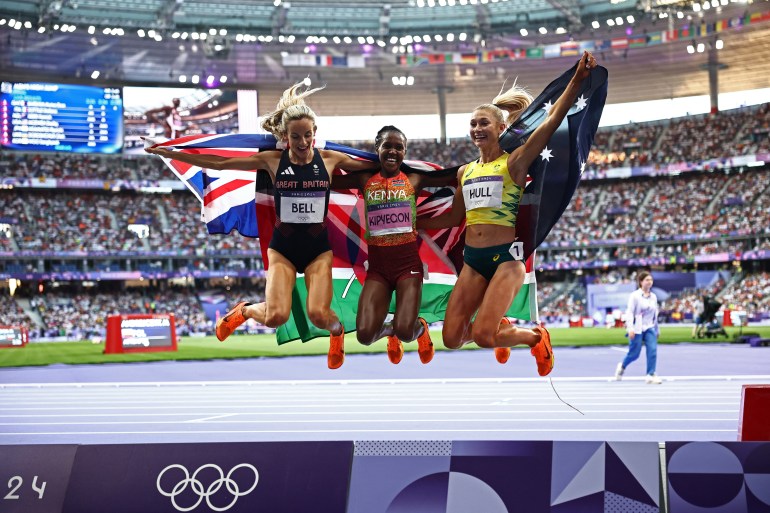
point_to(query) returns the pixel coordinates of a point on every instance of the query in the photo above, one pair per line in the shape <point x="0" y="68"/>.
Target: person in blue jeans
<point x="642" y="327"/>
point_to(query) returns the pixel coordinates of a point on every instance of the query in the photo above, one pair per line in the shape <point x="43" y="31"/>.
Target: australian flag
<point x="555" y="175"/>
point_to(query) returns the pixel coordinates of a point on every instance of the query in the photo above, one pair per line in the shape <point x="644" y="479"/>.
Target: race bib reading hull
<point x="389" y="218"/>
<point x="303" y="207"/>
<point x="483" y="192"/>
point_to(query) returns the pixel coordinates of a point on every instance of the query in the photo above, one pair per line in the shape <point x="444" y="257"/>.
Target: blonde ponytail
<point x="290" y="107"/>
<point x="514" y="100"/>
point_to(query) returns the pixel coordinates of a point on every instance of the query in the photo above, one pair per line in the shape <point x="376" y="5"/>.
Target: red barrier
<point x="140" y="333"/>
<point x="727" y="317"/>
<point x="13" y="336"/>
<point x="755" y="414"/>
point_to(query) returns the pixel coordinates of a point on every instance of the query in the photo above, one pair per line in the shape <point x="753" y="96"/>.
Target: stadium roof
<point x="266" y="44"/>
<point x="313" y="17"/>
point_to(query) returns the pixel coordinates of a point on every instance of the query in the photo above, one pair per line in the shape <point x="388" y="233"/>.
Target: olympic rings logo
<point x="197" y="487"/>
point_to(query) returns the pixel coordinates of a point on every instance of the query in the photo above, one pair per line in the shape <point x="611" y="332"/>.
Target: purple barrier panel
<point x="33" y="478"/>
<point x="613" y="477"/>
<point x="265" y="477"/>
<point x="388" y="475"/>
<point x="723" y="477"/>
<point x="493" y="463"/>
<point x="505" y="476"/>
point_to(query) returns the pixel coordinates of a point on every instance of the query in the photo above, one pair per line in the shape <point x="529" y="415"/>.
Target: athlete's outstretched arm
<point x="520" y="160"/>
<point x="448" y="219"/>
<point x="262" y="160"/>
<point x="439" y="178"/>
<point x="355" y="180"/>
<point x="348" y="163"/>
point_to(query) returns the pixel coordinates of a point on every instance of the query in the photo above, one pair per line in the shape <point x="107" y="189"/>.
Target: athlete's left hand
<point x="585" y="66"/>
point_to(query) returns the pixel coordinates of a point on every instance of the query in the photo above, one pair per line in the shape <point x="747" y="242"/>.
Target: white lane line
<point x="752" y="377"/>
<point x="205" y="419"/>
<point x="359" y="431"/>
<point x="605" y="386"/>
<point x="366" y="402"/>
<point x="264" y="395"/>
<point x="468" y="391"/>
<point x="396" y="397"/>
<point x="442" y="394"/>
<point x="370" y="421"/>
<point x="249" y="387"/>
<point x="245" y="405"/>
<point x="426" y="396"/>
<point x="361" y="412"/>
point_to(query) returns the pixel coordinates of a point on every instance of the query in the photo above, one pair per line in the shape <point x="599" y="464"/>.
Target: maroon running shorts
<point x="391" y="264"/>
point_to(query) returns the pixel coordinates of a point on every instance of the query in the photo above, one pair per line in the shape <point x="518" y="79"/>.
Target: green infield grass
<point x="254" y="346"/>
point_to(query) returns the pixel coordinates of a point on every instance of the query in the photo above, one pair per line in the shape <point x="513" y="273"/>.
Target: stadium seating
<point x="706" y="216"/>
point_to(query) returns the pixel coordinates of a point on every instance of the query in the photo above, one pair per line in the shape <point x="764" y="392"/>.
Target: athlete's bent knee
<point x="319" y="317"/>
<point x="452" y="340"/>
<point x="275" y="319"/>
<point x="404" y="331"/>
<point x="365" y="336"/>
<point x="484" y="337"/>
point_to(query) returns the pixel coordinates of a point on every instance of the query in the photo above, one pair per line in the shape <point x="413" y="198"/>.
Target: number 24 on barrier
<point x="15" y="482"/>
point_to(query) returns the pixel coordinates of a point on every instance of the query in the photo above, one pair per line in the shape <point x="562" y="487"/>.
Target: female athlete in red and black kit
<point x="394" y="263"/>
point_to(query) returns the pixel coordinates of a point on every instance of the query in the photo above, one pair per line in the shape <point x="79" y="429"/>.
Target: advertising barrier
<point x="34" y="478"/>
<point x="274" y="477"/>
<point x="718" y="476"/>
<point x="387" y="476"/>
<point x="13" y="336"/>
<point x="504" y="476"/>
<point x="755" y="415"/>
<point x="135" y="333"/>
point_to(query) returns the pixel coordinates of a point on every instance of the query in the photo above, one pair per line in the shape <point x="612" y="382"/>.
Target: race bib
<point x="302" y="207"/>
<point x="517" y="250"/>
<point x="483" y="192"/>
<point x="389" y="218"/>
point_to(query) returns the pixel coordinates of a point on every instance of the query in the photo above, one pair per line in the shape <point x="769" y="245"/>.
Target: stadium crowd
<point x="664" y="218"/>
<point x="82" y="314"/>
<point x="602" y="220"/>
<point x="752" y="294"/>
<point x="99" y="222"/>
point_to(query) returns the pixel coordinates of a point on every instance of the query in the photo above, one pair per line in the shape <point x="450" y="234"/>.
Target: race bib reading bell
<point x="303" y="207"/>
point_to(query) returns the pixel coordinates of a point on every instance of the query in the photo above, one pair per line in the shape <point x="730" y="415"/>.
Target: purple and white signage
<point x="34" y="478"/>
<point x="265" y="477"/>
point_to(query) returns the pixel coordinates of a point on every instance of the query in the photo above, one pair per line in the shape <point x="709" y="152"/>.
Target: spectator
<point x="642" y="326"/>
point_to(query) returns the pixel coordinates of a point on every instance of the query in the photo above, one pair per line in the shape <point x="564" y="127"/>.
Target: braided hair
<point x="381" y="135"/>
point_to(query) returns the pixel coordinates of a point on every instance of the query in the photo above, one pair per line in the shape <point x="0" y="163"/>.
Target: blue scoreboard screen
<point x="61" y="117"/>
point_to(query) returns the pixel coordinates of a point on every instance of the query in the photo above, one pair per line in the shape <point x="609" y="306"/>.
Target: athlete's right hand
<point x="155" y="150"/>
